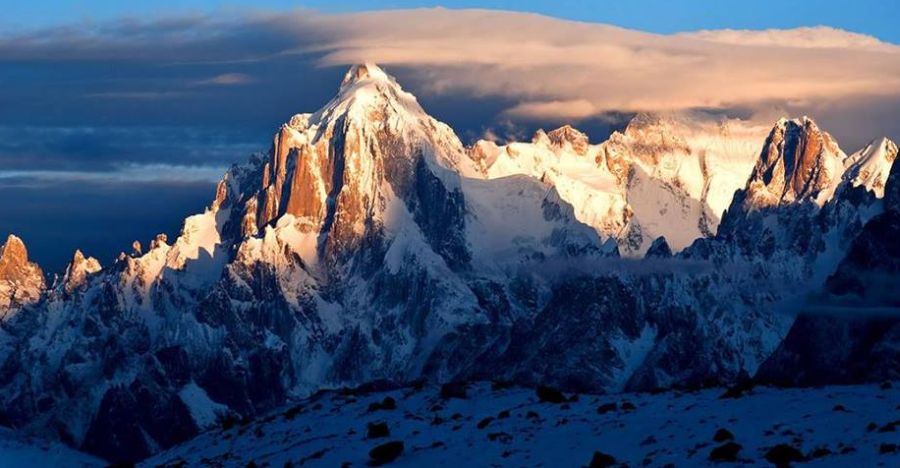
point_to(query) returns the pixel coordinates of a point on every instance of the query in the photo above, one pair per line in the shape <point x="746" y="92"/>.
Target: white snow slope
<point x="668" y="175"/>
<point x="511" y="427"/>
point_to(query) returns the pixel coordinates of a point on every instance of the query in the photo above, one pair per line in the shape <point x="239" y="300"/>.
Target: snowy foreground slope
<point x="19" y="451"/>
<point x="829" y="426"/>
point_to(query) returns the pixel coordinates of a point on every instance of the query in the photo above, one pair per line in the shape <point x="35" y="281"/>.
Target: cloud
<point x="142" y="173"/>
<point x="79" y="149"/>
<point x="226" y="79"/>
<point x="567" y="68"/>
<point x="101" y="219"/>
<point x="575" y="109"/>
<point x="807" y="37"/>
<point x="545" y="69"/>
<point x="574" y="70"/>
<point x="137" y="95"/>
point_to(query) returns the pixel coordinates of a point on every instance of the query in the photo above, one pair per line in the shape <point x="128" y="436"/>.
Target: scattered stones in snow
<point x="377" y="430"/>
<point x="484" y="422"/>
<point x="782" y="455"/>
<point x="517" y="430"/>
<point x="550" y="395"/>
<point x="502" y="437"/>
<point x="602" y="460"/>
<point x="889" y="427"/>
<point x="840" y="408"/>
<point x="292" y="412"/>
<point x="819" y="452"/>
<point x="738" y="390"/>
<point x="387" y="404"/>
<point x="606" y="408"/>
<point x="454" y="390"/>
<point x="386" y="453"/>
<point x="627" y="406"/>
<point x="725" y="452"/>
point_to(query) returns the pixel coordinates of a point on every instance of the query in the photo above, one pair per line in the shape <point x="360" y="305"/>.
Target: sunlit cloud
<point x="576" y="70"/>
<point x="226" y="79"/>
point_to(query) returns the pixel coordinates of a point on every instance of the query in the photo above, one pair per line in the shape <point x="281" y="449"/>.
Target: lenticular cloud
<point x="574" y="70"/>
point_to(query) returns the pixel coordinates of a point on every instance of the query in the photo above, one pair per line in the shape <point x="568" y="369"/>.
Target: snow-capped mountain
<point x="357" y="249"/>
<point x="665" y="175"/>
<point x="370" y="244"/>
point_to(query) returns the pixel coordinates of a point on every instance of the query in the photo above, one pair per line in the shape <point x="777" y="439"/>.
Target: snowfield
<point x="18" y="451"/>
<point x="493" y="426"/>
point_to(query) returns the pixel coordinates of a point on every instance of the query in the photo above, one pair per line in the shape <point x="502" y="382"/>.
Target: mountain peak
<point x="870" y="167"/>
<point x="78" y="270"/>
<point x="13" y="250"/>
<point x="799" y="162"/>
<point x="364" y="71"/>
<point x="21" y="281"/>
<point x="568" y="134"/>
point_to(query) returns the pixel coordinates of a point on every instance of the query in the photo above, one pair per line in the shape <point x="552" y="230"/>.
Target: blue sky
<point x="874" y="17"/>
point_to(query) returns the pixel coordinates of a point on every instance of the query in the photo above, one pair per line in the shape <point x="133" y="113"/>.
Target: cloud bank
<point x="574" y="70"/>
<point x="548" y="66"/>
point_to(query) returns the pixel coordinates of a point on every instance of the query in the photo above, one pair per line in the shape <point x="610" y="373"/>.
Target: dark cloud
<point x="24" y="148"/>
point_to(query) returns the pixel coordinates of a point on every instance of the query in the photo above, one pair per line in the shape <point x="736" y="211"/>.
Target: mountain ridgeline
<point x="369" y="244"/>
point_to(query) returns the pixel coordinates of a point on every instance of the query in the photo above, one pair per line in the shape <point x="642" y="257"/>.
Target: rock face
<point x="369" y="244"/>
<point x="799" y="163"/>
<point x="78" y="270"/>
<point x="659" y="249"/>
<point x="21" y="281"/>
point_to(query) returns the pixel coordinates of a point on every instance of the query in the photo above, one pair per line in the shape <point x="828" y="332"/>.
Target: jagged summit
<point x="21" y="281"/>
<point x="366" y="87"/>
<point x="329" y="169"/>
<point x="13" y="251"/>
<point x="78" y="270"/>
<point x="870" y="167"/>
<point x="798" y="163"/>
<point x="659" y="249"/>
<point x="364" y="71"/>
<point x="568" y="135"/>
<point x="14" y="263"/>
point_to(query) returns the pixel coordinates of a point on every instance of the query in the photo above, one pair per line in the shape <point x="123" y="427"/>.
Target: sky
<point x="117" y="118"/>
<point x="873" y="17"/>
